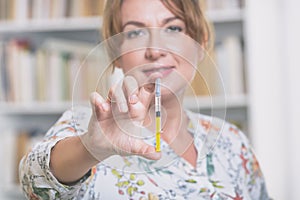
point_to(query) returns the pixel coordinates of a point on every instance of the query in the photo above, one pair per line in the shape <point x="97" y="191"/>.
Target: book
<point x="212" y="5"/>
<point x="10" y="15"/>
<point x="76" y="78"/>
<point x="54" y="81"/>
<point x="93" y="8"/>
<point x="22" y="144"/>
<point x="76" y="8"/>
<point x="58" y="9"/>
<point x="40" y="75"/>
<point x="19" y="71"/>
<point x="14" y="146"/>
<point x="12" y="51"/>
<point x="2" y="73"/>
<point x="7" y="158"/>
<point x="3" y="10"/>
<point x="23" y="10"/>
<point x="27" y="77"/>
<point x="37" y="10"/>
<point x="205" y="82"/>
<point x="230" y="64"/>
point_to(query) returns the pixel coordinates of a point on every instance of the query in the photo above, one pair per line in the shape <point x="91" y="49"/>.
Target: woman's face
<point x="155" y="45"/>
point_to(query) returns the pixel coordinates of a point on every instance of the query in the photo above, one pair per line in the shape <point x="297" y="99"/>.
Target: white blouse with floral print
<point x="226" y="167"/>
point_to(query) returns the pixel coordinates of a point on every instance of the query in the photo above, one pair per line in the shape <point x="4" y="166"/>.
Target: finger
<point x="131" y="87"/>
<point x="136" y="108"/>
<point x="143" y="149"/>
<point x="133" y="146"/>
<point x="146" y="94"/>
<point x="99" y="106"/>
<point x="140" y="108"/>
<point x="129" y="142"/>
<point x="120" y="99"/>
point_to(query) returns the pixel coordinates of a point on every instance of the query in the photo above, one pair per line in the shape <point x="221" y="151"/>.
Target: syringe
<point x="157" y="113"/>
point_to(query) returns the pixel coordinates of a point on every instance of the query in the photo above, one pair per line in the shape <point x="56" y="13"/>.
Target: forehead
<point x="147" y="11"/>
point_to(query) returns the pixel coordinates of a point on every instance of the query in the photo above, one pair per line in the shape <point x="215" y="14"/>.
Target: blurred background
<point x="43" y="44"/>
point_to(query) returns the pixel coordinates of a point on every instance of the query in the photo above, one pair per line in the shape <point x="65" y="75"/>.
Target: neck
<point x="174" y="125"/>
<point x="174" y="119"/>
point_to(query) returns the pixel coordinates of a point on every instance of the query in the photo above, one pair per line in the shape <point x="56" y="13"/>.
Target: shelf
<point x="52" y="25"/>
<point x="94" y="23"/>
<point x="40" y="108"/>
<point x="222" y="16"/>
<point x="58" y="108"/>
<point x="204" y="103"/>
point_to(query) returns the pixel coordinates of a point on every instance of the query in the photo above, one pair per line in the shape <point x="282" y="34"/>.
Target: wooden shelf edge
<point x="94" y="23"/>
<point x="223" y="16"/>
<point x="193" y="103"/>
<point x="37" y="108"/>
<point x="51" y="25"/>
<point x="217" y="102"/>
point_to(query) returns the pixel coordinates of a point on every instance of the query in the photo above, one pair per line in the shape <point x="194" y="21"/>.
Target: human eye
<point x="174" y="29"/>
<point x="135" y="33"/>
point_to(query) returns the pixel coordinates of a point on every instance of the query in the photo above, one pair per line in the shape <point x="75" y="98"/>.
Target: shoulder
<point x="225" y="146"/>
<point x="208" y="123"/>
<point x="216" y="133"/>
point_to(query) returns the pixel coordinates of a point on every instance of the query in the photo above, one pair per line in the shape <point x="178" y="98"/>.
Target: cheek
<point x="131" y="60"/>
<point x="186" y="69"/>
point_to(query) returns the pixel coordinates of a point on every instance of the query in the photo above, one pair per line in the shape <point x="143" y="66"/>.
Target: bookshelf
<point x="31" y="115"/>
<point x="226" y="23"/>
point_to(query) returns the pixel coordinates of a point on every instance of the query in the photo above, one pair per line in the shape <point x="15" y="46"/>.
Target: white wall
<point x="292" y="66"/>
<point x="274" y="87"/>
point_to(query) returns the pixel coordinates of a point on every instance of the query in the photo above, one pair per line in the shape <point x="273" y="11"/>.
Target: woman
<point x="84" y="162"/>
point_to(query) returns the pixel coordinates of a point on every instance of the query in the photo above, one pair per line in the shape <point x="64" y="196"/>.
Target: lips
<point x="163" y="70"/>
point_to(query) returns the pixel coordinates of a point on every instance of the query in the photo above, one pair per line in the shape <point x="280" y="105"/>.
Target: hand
<point x="116" y="121"/>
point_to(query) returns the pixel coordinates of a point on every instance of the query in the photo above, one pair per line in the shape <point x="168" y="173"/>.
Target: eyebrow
<point x="141" y="24"/>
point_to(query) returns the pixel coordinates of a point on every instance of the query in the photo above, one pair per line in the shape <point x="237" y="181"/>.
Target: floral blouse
<point x="226" y="167"/>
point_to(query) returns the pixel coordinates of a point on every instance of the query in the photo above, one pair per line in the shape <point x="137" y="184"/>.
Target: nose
<point x="154" y="50"/>
<point x="154" y="53"/>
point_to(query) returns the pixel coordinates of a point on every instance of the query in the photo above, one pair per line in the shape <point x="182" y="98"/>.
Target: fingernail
<point x="105" y="107"/>
<point x="156" y="155"/>
<point x="123" y="107"/>
<point x="98" y="100"/>
<point x="150" y="87"/>
<point x="133" y="99"/>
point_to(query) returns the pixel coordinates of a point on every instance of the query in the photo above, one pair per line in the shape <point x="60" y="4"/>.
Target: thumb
<point x="99" y="106"/>
<point x="147" y="151"/>
<point x="95" y="101"/>
<point x="146" y="94"/>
